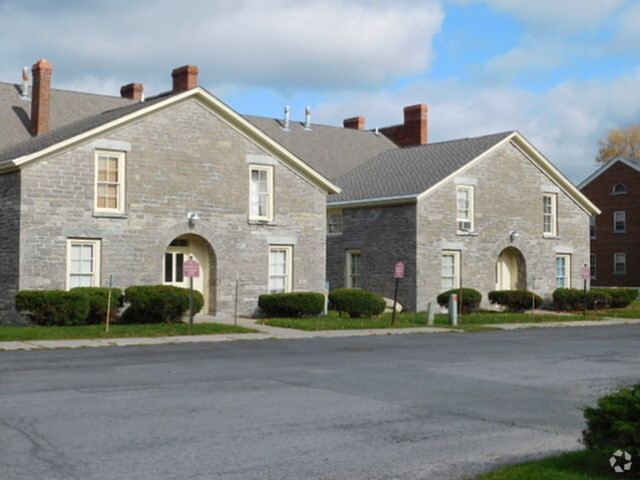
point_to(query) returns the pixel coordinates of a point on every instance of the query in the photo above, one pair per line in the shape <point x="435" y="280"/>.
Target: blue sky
<point x="562" y="72"/>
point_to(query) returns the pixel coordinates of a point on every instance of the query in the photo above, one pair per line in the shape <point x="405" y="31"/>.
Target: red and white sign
<point x="586" y="273"/>
<point x="399" y="271"/>
<point x="191" y="268"/>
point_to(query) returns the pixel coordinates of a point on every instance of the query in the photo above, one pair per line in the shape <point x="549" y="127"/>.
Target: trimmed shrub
<point x="357" y="303"/>
<point x="570" y="299"/>
<point x="515" y="300"/>
<point x="98" y="299"/>
<point x="615" y="424"/>
<point x="158" y="304"/>
<point x="470" y="299"/>
<point x="53" y="307"/>
<point x="620" y="297"/>
<point x="292" y="305"/>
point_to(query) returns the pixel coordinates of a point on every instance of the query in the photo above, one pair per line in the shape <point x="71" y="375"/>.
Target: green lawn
<point x="584" y="465"/>
<point x="17" y="334"/>
<point x="471" y="321"/>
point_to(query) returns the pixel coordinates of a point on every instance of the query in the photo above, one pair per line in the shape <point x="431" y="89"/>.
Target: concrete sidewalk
<point x="271" y="333"/>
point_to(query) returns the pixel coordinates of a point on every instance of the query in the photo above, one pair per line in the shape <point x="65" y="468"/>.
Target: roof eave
<point x="375" y="202"/>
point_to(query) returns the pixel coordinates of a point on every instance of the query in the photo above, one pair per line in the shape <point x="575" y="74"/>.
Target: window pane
<point x="179" y="267"/>
<point x="168" y="267"/>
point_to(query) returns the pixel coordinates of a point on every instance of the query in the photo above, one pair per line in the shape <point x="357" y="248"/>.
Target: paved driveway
<point x="439" y="406"/>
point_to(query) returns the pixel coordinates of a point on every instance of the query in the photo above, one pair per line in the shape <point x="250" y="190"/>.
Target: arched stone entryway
<point x="183" y="248"/>
<point x="511" y="270"/>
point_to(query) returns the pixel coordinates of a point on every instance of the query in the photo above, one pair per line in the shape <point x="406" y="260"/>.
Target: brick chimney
<point x="41" y="97"/>
<point x="413" y="131"/>
<point x="357" y="123"/>
<point x="184" y="78"/>
<point x="134" y="91"/>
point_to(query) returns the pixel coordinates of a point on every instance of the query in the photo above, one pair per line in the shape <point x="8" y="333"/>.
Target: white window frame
<point x="353" y="279"/>
<point x="619" y="189"/>
<point x="445" y="282"/>
<point x="334" y="222"/>
<point x="550" y="215"/>
<point x="563" y="279"/>
<point x="620" y="216"/>
<point x="94" y="273"/>
<point x="254" y="214"/>
<point x="620" y="258"/>
<point x="465" y="216"/>
<point x="287" y="275"/>
<point x="119" y="184"/>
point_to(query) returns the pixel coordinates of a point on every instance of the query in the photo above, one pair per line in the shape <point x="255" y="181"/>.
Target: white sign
<point x="191" y="268"/>
<point x="399" y="271"/>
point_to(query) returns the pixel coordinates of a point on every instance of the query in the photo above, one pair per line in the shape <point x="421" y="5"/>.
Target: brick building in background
<point x="615" y="233"/>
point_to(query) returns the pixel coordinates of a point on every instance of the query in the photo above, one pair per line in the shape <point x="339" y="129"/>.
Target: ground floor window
<point x="619" y="263"/>
<point x="450" y="272"/>
<point x="354" y="269"/>
<point x="83" y="263"/>
<point x="563" y="271"/>
<point x="280" y="269"/>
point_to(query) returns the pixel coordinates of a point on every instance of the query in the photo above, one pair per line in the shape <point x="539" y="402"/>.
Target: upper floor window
<point x="465" y="208"/>
<point x="83" y="263"/>
<point x="619" y="189"/>
<point x="334" y="222"/>
<point x="549" y="214"/>
<point x="592" y="226"/>
<point x="261" y="196"/>
<point x="619" y="222"/>
<point x="450" y="270"/>
<point x="109" y="188"/>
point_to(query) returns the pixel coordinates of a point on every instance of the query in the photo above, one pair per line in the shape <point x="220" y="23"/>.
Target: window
<point x="549" y="214"/>
<point x="83" y="263"/>
<point x="465" y="214"/>
<point x="354" y="269"/>
<point x="450" y="273"/>
<point x="563" y="271"/>
<point x="261" y="207"/>
<point x="619" y="222"/>
<point x="334" y="222"/>
<point x="619" y="189"/>
<point x="280" y="269"/>
<point x="592" y="226"/>
<point x="619" y="263"/>
<point x="109" y="192"/>
<point x="592" y="265"/>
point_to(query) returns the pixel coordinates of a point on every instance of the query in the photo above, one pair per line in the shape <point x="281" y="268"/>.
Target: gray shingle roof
<point x="332" y="151"/>
<point x="410" y="171"/>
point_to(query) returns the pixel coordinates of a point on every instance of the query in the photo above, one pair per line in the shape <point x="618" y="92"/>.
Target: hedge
<point x="53" y="307"/>
<point x="615" y="424"/>
<point x="292" y="305"/>
<point x="357" y="303"/>
<point x="158" y="304"/>
<point x="515" y="300"/>
<point x="571" y="299"/>
<point x="471" y="298"/>
<point x="98" y="299"/>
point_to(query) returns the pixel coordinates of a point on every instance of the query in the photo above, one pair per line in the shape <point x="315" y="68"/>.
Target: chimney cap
<point x="185" y="78"/>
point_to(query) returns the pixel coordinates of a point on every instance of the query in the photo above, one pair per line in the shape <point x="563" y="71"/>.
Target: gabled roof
<point x="409" y="174"/>
<point x="332" y="151"/>
<point x="632" y="162"/>
<point x="68" y="136"/>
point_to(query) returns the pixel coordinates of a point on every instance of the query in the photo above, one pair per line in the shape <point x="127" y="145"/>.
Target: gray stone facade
<point x="178" y="160"/>
<point x="508" y="192"/>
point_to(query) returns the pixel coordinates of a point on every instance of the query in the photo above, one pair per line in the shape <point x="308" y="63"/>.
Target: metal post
<point x="431" y="313"/>
<point x="235" y="308"/>
<point x="191" y="302"/>
<point x="395" y="302"/>
<point x="453" y="309"/>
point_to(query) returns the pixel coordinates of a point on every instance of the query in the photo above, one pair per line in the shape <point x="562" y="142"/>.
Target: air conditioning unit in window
<point x="464" y="226"/>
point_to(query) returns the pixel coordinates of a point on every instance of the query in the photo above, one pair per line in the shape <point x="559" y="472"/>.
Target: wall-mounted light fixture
<point x="513" y="234"/>
<point x="192" y="217"/>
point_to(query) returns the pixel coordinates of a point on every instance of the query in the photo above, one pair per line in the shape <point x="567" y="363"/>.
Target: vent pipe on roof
<point x="287" y="112"/>
<point x="307" y="118"/>
<point x="24" y="89"/>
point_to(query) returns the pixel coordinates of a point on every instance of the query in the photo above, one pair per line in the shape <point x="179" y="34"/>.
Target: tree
<point x="623" y="141"/>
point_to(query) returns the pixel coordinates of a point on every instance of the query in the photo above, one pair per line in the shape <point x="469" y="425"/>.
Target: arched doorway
<point x="511" y="270"/>
<point x="194" y="247"/>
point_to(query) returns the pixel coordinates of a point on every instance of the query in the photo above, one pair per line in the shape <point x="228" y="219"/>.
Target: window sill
<point x="619" y="231"/>
<point x="466" y="234"/>
<point x="334" y="234"/>
<point x="619" y="273"/>
<point x="550" y="237"/>
<point x="110" y="214"/>
<point x="261" y="222"/>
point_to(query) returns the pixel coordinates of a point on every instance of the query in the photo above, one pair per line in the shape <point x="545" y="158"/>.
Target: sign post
<point x="191" y="269"/>
<point x="586" y="274"/>
<point x="398" y="274"/>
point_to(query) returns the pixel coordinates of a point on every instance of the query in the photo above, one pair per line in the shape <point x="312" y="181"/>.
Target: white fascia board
<point x="374" y="202"/>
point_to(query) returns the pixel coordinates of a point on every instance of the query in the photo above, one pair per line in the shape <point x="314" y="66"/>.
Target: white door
<point x="179" y="251"/>
<point x="507" y="271"/>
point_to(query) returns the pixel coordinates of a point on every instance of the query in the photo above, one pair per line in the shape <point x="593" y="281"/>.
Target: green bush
<point x="615" y="424"/>
<point x="292" y="305"/>
<point x="570" y="299"/>
<point x="53" y="307"/>
<point x="98" y="299"/>
<point x="357" y="303"/>
<point x="620" y="297"/>
<point x="515" y="300"/>
<point x="158" y="304"/>
<point x="470" y="298"/>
